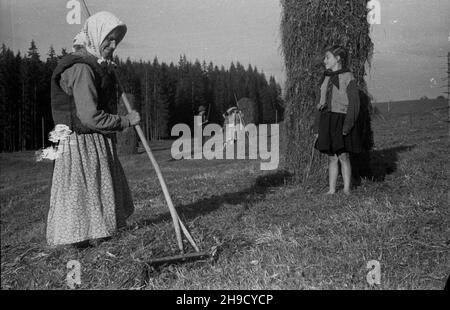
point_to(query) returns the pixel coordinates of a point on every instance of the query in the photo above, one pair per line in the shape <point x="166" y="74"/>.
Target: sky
<point x="408" y="61"/>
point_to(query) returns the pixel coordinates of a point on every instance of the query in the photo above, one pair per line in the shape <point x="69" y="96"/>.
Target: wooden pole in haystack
<point x="308" y="27"/>
<point x="448" y="89"/>
<point x="43" y="136"/>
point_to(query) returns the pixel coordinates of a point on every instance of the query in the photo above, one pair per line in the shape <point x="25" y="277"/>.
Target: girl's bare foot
<point x="347" y="192"/>
<point x="330" y="192"/>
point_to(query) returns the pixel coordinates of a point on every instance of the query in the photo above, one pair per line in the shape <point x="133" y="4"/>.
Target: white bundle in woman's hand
<point x="60" y="133"/>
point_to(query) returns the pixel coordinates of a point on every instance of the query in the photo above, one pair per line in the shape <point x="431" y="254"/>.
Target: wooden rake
<point x="177" y="223"/>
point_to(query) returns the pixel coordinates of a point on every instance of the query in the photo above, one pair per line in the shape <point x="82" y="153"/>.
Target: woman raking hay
<point x="90" y="197"/>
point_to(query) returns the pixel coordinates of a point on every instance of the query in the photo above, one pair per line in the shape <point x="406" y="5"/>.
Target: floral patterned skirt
<point x="90" y="197"/>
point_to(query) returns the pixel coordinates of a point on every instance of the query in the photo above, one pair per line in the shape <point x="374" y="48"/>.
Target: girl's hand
<point x="345" y="133"/>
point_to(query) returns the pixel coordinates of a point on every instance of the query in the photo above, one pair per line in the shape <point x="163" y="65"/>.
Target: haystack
<point x="249" y="109"/>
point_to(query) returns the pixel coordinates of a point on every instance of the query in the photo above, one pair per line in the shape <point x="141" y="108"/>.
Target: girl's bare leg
<point x="344" y="158"/>
<point x="333" y="170"/>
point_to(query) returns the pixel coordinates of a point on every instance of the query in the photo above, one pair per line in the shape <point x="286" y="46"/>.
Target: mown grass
<point x="268" y="234"/>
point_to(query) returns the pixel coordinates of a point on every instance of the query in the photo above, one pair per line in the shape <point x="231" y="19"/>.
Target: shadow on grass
<point x="381" y="164"/>
<point x="245" y="197"/>
<point x="376" y="165"/>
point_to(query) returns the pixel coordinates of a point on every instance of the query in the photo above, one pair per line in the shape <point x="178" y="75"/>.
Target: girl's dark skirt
<point x="331" y="141"/>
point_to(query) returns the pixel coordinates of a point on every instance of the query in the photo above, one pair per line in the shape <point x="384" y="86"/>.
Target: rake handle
<point x="138" y="128"/>
<point x="175" y="218"/>
<point x="188" y="236"/>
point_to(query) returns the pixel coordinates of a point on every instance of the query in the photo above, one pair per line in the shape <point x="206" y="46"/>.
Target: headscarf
<point x="95" y="30"/>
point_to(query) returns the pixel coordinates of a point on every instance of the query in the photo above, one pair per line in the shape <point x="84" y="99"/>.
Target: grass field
<point x="268" y="234"/>
<point x="402" y="108"/>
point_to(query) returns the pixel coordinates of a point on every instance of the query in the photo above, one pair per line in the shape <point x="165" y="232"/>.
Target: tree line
<point x="164" y="94"/>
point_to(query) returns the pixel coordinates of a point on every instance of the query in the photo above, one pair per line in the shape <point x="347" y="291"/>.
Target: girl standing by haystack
<point x="90" y="197"/>
<point x="338" y="109"/>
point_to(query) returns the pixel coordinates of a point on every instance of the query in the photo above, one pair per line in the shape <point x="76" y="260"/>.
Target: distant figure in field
<point x="201" y="120"/>
<point x="90" y="198"/>
<point x="338" y="110"/>
<point x="232" y="123"/>
<point x="202" y="114"/>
